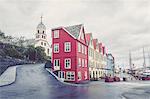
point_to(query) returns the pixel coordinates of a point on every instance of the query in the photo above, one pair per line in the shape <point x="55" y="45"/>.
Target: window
<point x="56" y="34"/>
<point x="85" y="63"/>
<point x="70" y="75"/>
<point x="82" y="48"/>
<point x="38" y="31"/>
<point x="85" y="74"/>
<point x="41" y="43"/>
<point x="48" y="50"/>
<point x="79" y="62"/>
<point x="56" y="48"/>
<point x="82" y="62"/>
<point x="61" y="74"/>
<point x="79" y="47"/>
<point x="67" y="63"/>
<point x="37" y="36"/>
<point x="45" y="44"/>
<point x="43" y="32"/>
<point x="56" y="62"/>
<point x="79" y="75"/>
<point x="42" y="36"/>
<point x="85" y="50"/>
<point x="67" y="46"/>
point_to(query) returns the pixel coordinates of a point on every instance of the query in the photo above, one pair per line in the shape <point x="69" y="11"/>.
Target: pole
<point x="149" y="59"/>
<point x="130" y="61"/>
<point x="144" y="64"/>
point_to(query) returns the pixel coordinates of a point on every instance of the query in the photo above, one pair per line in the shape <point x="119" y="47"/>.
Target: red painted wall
<point x="74" y="55"/>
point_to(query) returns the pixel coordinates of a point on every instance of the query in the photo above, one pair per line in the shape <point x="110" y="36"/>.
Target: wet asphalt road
<point x="34" y="82"/>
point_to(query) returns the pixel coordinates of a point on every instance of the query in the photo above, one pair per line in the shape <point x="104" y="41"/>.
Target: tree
<point x="30" y="53"/>
<point x="35" y="53"/>
<point x="40" y="54"/>
<point x="12" y="52"/>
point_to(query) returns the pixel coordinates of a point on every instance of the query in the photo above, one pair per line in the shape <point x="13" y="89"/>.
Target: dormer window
<point x="56" y="34"/>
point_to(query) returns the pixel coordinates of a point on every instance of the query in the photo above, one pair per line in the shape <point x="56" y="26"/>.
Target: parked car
<point x="109" y="79"/>
<point x="48" y="64"/>
<point x="116" y="79"/>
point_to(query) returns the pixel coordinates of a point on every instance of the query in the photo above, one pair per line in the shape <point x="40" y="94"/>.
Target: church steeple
<point x="41" y="30"/>
<point x="41" y="18"/>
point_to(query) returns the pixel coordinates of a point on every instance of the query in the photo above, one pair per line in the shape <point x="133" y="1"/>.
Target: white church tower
<point x="41" y="38"/>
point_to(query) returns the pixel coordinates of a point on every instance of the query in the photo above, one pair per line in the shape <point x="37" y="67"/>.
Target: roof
<point x="88" y="37"/>
<point x="41" y="26"/>
<point x="74" y="30"/>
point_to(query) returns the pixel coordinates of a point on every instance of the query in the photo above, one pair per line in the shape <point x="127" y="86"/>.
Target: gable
<point x="91" y="41"/>
<point x="82" y="37"/>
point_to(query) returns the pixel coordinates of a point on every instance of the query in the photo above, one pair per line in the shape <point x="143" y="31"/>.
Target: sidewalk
<point x="62" y="80"/>
<point x="8" y="77"/>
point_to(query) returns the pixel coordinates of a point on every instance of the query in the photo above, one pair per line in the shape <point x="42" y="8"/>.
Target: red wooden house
<point x="70" y="53"/>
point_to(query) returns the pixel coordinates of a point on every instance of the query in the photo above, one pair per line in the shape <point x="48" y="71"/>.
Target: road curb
<point x="71" y="84"/>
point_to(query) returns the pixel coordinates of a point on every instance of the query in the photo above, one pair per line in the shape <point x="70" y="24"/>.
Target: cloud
<point x="120" y="24"/>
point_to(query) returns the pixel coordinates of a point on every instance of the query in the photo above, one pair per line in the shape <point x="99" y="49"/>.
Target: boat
<point x="146" y="75"/>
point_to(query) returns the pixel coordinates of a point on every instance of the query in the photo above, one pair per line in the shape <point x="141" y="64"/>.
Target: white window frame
<point x="67" y="46"/>
<point x="61" y="74"/>
<point x="79" y="47"/>
<point x="56" y="45"/>
<point x="85" y="63"/>
<point x="85" y="74"/>
<point x="58" y="62"/>
<point x="82" y="48"/>
<point x="79" y="62"/>
<point x="79" y="75"/>
<point x="70" y="78"/>
<point x="82" y="62"/>
<point x="67" y="60"/>
<point x="85" y="50"/>
<point x="56" y="33"/>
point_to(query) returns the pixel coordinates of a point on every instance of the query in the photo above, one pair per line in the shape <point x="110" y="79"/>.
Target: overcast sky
<point x="120" y="24"/>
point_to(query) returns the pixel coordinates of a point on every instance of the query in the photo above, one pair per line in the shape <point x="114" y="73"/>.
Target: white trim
<point x="69" y="67"/>
<point x="56" y="34"/>
<point x="82" y="62"/>
<point x="85" y="74"/>
<point x="61" y="74"/>
<point x="79" y="47"/>
<point x="85" y="62"/>
<point x="70" y="72"/>
<point x="65" y="46"/>
<point x="79" y="75"/>
<point x="55" y="44"/>
<point x="56" y="66"/>
<point x="61" y="27"/>
<point x="79" y="62"/>
<point x="80" y="32"/>
<point x="57" y="63"/>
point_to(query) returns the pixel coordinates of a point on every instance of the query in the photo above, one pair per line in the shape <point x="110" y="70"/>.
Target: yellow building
<point x="97" y="61"/>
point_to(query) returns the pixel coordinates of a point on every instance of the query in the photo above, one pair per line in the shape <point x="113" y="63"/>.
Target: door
<point x="61" y="74"/>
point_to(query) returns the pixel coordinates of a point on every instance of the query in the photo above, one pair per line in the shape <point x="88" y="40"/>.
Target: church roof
<point x="74" y="30"/>
<point x="41" y="26"/>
